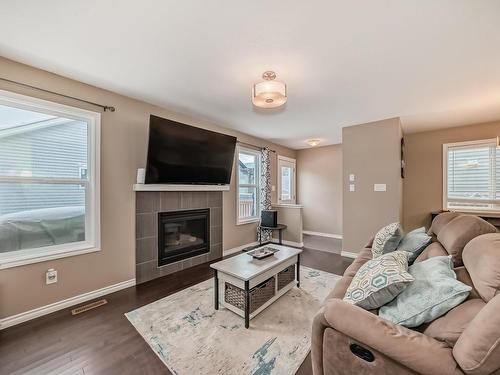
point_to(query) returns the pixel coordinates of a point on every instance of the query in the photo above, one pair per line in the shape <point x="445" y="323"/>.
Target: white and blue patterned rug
<point x="191" y="338"/>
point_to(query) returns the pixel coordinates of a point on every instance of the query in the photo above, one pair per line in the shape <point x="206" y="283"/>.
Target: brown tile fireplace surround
<point x="148" y="206"/>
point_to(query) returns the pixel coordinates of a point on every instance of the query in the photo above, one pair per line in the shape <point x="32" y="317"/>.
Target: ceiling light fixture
<point x="313" y="142"/>
<point x="269" y="93"/>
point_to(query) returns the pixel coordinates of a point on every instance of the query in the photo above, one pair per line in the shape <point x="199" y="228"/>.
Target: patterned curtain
<point x="265" y="189"/>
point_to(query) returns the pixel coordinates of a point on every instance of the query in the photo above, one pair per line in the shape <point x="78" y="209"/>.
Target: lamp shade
<point x="269" y="93"/>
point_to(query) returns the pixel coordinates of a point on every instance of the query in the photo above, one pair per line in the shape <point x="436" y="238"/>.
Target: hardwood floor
<point x="102" y="341"/>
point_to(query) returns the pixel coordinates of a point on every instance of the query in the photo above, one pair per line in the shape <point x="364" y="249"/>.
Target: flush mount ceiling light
<point x="269" y="93"/>
<point x="313" y="142"/>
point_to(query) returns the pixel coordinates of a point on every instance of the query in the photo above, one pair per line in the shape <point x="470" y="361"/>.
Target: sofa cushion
<point x="379" y="281"/>
<point x="481" y="257"/>
<point x="414" y="243"/>
<point x="449" y="327"/>
<point x="387" y="239"/>
<point x="441" y="220"/>
<point x="459" y="231"/>
<point x="435" y="249"/>
<point x="464" y="277"/>
<point x="434" y="292"/>
<point x="477" y="350"/>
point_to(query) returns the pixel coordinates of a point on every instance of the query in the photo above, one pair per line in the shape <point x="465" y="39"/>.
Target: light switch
<point x="351" y="177"/>
<point x="273" y="188"/>
<point x="352" y="187"/>
<point x="379" y="187"/>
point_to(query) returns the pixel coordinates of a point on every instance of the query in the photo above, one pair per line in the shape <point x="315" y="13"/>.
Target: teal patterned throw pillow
<point x="387" y="239"/>
<point x="434" y="292"/>
<point x="379" y="281"/>
<point x="414" y="243"/>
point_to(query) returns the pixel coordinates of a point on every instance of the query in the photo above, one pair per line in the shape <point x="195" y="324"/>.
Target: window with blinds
<point x="472" y="176"/>
<point x="48" y="180"/>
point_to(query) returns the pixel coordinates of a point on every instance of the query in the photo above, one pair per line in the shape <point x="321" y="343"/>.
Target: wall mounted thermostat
<point x="379" y="187"/>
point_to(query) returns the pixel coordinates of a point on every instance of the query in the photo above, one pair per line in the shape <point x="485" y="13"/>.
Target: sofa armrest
<point x="412" y="349"/>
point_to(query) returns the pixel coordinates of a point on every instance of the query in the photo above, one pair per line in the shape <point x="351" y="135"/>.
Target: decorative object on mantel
<point x="190" y="337"/>
<point x="265" y="191"/>
<point x="141" y="175"/>
<point x="269" y="93"/>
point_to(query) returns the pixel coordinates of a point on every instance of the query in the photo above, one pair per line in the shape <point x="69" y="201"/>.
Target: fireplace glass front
<point x="182" y="235"/>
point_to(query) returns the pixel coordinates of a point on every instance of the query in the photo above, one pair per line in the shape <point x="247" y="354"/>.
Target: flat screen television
<point x="184" y="154"/>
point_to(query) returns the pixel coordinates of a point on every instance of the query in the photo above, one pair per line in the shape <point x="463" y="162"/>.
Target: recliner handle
<point x="362" y="353"/>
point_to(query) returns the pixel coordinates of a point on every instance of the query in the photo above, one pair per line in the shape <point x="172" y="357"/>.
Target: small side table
<point x="279" y="228"/>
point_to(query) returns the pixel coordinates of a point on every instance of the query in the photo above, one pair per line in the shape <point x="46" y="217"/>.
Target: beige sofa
<point x="349" y="340"/>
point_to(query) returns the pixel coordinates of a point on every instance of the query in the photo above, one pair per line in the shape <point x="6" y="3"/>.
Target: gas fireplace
<point x="182" y="235"/>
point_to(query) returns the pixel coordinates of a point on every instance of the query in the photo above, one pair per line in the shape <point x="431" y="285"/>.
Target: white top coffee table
<point x="245" y="272"/>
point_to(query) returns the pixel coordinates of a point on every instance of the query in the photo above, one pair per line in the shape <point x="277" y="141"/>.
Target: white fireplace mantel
<point x="176" y="187"/>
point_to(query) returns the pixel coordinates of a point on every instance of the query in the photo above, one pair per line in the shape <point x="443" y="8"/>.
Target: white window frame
<point x="92" y="241"/>
<point x="446" y="147"/>
<point x="253" y="152"/>
<point x="292" y="161"/>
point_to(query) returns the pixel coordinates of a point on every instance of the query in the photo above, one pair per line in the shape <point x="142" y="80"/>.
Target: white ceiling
<point x="435" y="63"/>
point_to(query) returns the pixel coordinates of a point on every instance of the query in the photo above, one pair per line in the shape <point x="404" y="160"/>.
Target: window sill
<point x="248" y="221"/>
<point x="9" y="260"/>
<point x="485" y="213"/>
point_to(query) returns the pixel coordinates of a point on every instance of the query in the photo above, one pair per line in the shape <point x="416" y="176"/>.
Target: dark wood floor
<point x="102" y="341"/>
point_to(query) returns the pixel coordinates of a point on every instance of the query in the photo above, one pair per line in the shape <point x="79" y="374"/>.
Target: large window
<point x="471" y="178"/>
<point x="286" y="180"/>
<point x="49" y="190"/>
<point x="247" y="205"/>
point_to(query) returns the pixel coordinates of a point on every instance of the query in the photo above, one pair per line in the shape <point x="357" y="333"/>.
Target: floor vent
<point x="88" y="306"/>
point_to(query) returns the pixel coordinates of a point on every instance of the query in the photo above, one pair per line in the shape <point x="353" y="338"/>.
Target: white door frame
<point x="287" y="161"/>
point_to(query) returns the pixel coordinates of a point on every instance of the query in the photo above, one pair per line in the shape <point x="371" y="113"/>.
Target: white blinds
<point x="473" y="175"/>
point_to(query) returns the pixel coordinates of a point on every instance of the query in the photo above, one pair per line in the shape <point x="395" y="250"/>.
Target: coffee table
<point x="246" y="273"/>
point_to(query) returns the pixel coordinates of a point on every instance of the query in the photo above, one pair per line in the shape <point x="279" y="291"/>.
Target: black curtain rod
<point x="104" y="107"/>
<point x="254" y="146"/>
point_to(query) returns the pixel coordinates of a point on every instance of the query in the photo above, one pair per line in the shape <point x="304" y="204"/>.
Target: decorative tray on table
<point x="262" y="252"/>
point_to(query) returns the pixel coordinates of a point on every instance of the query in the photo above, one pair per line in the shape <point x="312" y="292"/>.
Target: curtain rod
<point x="254" y="146"/>
<point x="104" y="107"/>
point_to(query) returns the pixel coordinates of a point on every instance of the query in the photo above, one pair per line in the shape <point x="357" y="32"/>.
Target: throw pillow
<point x="434" y="292"/>
<point x="414" y="243"/>
<point x="387" y="239"/>
<point x="379" y="280"/>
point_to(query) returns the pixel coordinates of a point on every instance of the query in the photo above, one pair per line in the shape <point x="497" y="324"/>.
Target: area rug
<point x="192" y="338"/>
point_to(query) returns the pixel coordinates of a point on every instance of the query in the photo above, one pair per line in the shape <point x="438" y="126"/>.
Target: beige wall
<point x="423" y="183"/>
<point x="123" y="150"/>
<point x="372" y="153"/>
<point x="319" y="188"/>
<point x="291" y="216"/>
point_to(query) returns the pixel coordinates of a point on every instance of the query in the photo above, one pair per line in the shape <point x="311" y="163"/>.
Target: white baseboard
<point x="321" y="234"/>
<point x="56" y="306"/>
<point x="348" y="254"/>
<point x="238" y="248"/>
<point x="289" y="243"/>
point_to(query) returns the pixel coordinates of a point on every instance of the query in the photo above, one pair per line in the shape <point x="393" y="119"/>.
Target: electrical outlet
<point x="51" y="276"/>
<point x="352" y="187"/>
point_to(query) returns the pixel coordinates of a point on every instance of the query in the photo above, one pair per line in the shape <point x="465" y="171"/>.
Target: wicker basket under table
<point x="259" y="294"/>
<point x="286" y="276"/>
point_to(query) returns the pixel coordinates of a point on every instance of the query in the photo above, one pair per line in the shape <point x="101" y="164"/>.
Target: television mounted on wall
<point x="183" y="154"/>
